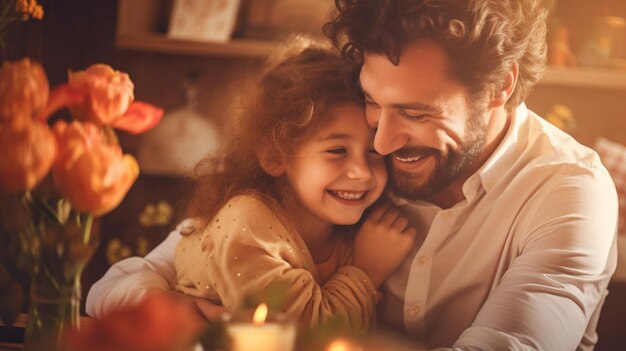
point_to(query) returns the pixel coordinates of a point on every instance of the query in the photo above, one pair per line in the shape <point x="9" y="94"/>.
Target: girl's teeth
<point x="407" y="159"/>
<point x="346" y="195"/>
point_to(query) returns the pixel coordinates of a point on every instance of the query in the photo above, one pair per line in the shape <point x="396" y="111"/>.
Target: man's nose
<point x="389" y="136"/>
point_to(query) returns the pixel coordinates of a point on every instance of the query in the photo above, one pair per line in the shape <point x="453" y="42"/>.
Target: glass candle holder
<point x="247" y="331"/>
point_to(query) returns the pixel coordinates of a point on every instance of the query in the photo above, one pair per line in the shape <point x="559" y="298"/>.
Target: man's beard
<point x="419" y="186"/>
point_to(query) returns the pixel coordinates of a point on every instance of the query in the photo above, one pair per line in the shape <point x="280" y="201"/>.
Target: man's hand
<point x="205" y="308"/>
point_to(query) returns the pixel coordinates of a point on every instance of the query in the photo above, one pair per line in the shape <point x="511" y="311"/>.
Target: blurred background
<point x="191" y="56"/>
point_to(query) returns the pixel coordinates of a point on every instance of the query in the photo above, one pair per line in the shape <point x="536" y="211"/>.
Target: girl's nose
<point x="360" y="168"/>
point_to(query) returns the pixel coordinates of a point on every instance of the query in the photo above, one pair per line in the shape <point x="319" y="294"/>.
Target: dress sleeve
<point x="247" y="248"/>
<point x="127" y="281"/>
<point x="557" y="283"/>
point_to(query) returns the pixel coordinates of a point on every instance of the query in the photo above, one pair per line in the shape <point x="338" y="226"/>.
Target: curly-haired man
<point x="518" y="220"/>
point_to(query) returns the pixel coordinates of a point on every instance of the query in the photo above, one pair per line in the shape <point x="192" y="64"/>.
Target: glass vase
<point x="58" y="251"/>
<point x="52" y="309"/>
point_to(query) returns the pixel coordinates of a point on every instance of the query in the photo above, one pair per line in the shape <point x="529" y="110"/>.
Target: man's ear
<point x="271" y="160"/>
<point x="501" y="96"/>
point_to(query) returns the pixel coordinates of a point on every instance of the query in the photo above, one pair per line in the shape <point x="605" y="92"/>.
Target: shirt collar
<point x="506" y="154"/>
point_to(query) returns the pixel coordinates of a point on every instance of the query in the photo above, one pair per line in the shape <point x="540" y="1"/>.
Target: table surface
<point x="12" y="338"/>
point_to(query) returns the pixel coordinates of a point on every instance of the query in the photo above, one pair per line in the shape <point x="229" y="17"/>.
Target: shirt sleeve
<point x="248" y="249"/>
<point x="127" y="281"/>
<point x="557" y="283"/>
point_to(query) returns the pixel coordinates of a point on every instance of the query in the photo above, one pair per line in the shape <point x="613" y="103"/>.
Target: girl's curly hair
<point x="288" y="101"/>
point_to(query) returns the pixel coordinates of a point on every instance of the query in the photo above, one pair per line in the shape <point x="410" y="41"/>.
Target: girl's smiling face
<point x="336" y="173"/>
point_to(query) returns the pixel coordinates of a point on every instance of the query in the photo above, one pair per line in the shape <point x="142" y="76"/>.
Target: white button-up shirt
<point x="523" y="262"/>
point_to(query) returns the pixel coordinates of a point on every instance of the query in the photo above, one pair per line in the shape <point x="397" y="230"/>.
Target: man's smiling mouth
<point x="408" y="159"/>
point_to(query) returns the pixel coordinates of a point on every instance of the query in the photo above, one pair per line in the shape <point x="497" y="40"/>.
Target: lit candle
<point x="343" y="345"/>
<point x="261" y="335"/>
<point x="338" y="345"/>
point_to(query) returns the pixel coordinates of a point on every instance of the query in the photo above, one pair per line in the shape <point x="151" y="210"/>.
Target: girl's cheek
<point x="381" y="172"/>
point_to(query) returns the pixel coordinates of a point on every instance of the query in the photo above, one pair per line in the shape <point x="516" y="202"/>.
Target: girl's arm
<point x="246" y="249"/>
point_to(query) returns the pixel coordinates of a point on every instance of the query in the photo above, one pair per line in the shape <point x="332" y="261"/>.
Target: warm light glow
<point x="339" y="345"/>
<point x="260" y="314"/>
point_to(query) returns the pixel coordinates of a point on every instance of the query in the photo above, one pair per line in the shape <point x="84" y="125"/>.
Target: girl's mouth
<point x="348" y="195"/>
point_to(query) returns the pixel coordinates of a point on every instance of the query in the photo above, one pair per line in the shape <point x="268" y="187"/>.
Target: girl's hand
<point x="382" y="242"/>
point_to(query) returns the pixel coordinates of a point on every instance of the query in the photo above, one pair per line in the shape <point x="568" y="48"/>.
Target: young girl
<point x="298" y="163"/>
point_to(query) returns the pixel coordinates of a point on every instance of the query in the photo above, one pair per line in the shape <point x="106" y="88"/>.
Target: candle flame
<point x="260" y="314"/>
<point x="339" y="345"/>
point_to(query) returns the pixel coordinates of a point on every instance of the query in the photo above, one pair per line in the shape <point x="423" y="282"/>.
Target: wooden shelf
<point x="249" y="48"/>
<point x="160" y="43"/>
<point x="585" y="77"/>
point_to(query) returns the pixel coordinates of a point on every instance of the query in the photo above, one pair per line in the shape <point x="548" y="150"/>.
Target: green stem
<point x="5" y="19"/>
<point x="87" y="229"/>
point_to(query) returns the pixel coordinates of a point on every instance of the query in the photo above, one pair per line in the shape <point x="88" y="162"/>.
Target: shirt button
<point x="414" y="310"/>
<point x="422" y="260"/>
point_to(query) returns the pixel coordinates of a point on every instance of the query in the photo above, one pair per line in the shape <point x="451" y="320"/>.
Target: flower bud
<point x="28" y="151"/>
<point x="24" y="90"/>
<point x="109" y="93"/>
<point x="91" y="173"/>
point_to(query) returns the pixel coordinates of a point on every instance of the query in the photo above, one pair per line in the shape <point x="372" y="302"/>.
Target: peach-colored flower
<point x="91" y="172"/>
<point x="29" y="9"/>
<point x="103" y="96"/>
<point x="28" y="150"/>
<point x="139" y="117"/>
<point x="158" y="323"/>
<point x="109" y="93"/>
<point x="24" y="90"/>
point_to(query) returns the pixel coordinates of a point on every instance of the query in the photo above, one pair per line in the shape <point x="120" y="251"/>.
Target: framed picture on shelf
<point x="203" y="20"/>
<point x="276" y="19"/>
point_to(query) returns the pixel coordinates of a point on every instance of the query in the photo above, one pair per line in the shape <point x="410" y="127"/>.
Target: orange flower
<point x="28" y="150"/>
<point x="158" y="323"/>
<point x="29" y="8"/>
<point x="109" y="93"/>
<point x="92" y="174"/>
<point x="24" y="90"/>
<point x="139" y="117"/>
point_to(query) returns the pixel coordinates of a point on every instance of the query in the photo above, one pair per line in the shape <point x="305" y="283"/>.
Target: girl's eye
<point x="337" y="151"/>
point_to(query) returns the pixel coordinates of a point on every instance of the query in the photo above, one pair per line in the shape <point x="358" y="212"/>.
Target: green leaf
<point x="274" y="295"/>
<point x="88" y="223"/>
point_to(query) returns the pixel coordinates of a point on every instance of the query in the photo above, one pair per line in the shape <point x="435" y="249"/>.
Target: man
<point x="517" y="220"/>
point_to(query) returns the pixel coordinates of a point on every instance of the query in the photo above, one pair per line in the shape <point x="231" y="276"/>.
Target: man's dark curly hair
<point x="482" y="38"/>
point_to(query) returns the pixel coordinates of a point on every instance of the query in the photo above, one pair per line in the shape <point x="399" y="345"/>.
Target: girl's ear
<point x="271" y="160"/>
<point x="510" y="81"/>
